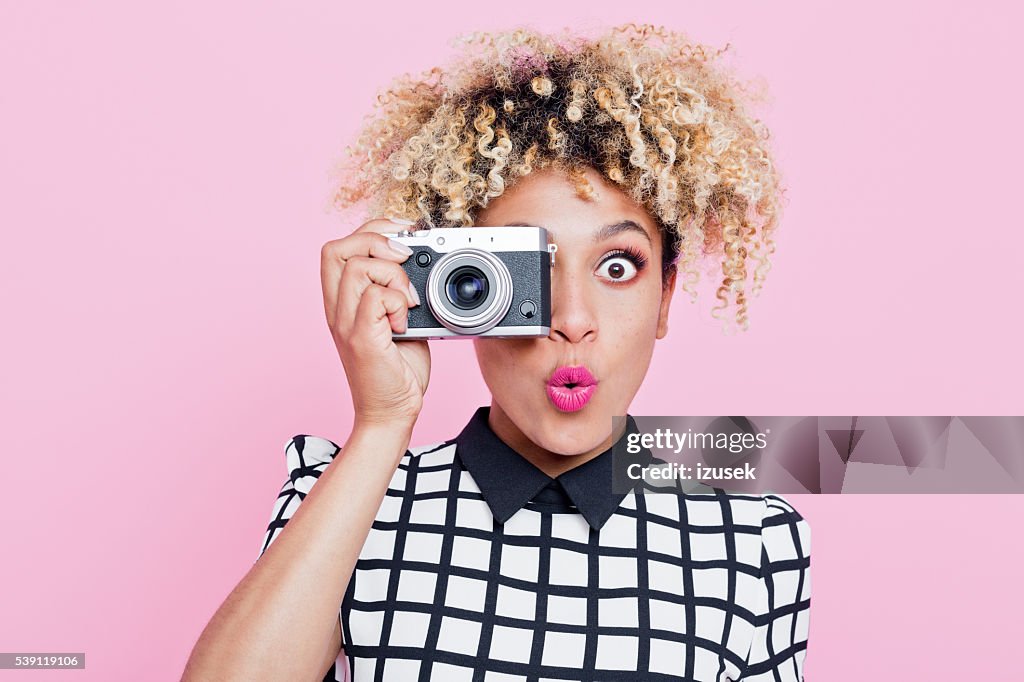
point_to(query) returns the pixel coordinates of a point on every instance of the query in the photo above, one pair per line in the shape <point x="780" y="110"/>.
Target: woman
<point x="502" y="553"/>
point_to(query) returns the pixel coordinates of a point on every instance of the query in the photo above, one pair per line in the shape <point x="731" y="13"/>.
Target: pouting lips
<point x="571" y="377"/>
<point x="570" y="388"/>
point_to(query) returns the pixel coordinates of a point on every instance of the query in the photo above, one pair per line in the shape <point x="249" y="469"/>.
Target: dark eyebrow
<point x="624" y="226"/>
<point x="605" y="232"/>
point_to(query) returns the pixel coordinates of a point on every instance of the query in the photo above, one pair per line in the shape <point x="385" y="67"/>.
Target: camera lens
<point x="469" y="290"/>
<point x="466" y="287"/>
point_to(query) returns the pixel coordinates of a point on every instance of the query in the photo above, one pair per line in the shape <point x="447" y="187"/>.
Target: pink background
<point x="164" y="177"/>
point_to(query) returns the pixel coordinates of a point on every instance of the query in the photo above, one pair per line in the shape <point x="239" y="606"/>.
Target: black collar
<point x="508" y="480"/>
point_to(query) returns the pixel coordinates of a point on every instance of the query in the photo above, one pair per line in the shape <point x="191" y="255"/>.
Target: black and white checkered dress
<point x="480" y="567"/>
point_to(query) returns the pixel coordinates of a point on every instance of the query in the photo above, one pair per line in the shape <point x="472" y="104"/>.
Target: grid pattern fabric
<point x="669" y="587"/>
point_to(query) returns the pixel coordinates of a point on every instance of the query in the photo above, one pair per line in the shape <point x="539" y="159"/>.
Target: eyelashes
<point x="622" y="265"/>
<point x="635" y="255"/>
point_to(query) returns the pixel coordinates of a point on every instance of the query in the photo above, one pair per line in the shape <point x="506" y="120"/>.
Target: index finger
<point x="385" y="225"/>
<point x="366" y="240"/>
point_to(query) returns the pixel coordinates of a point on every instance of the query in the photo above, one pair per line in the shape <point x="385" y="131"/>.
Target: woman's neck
<point x="551" y="463"/>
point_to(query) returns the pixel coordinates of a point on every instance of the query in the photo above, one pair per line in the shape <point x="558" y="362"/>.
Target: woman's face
<point x="608" y="306"/>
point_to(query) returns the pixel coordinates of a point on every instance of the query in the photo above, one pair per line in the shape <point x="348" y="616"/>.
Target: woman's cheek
<point x="506" y="364"/>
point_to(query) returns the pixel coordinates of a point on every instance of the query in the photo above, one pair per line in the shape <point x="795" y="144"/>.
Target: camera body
<point x="479" y="281"/>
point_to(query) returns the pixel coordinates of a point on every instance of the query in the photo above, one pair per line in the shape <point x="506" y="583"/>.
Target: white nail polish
<point x="399" y="248"/>
<point x="415" y="296"/>
<point x="401" y="221"/>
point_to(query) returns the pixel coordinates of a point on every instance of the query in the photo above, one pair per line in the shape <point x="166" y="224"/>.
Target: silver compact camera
<point x="478" y="281"/>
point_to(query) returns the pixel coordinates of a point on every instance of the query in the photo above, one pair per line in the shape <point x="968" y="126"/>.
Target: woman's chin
<point x="572" y="433"/>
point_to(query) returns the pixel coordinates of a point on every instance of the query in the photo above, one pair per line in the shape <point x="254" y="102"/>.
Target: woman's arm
<point x="281" y="620"/>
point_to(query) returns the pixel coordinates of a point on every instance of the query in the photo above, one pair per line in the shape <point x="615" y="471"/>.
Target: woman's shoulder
<point x="304" y="448"/>
<point x="431" y="454"/>
<point x="781" y="508"/>
<point x="717" y="507"/>
<point x="764" y="509"/>
<point x="308" y="455"/>
<point x="784" y="531"/>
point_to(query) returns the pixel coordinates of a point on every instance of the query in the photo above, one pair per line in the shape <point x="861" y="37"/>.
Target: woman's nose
<point x="572" y="313"/>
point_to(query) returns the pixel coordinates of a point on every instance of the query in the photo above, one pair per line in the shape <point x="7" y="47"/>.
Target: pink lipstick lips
<point x="570" y="388"/>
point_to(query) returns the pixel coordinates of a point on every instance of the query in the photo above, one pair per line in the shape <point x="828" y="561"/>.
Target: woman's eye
<point x="618" y="269"/>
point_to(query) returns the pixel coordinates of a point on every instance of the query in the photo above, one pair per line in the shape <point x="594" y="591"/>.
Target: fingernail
<point x="415" y="296"/>
<point x="402" y="221"/>
<point x="399" y="248"/>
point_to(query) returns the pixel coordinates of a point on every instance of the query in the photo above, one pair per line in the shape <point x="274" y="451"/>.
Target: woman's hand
<point x="367" y="296"/>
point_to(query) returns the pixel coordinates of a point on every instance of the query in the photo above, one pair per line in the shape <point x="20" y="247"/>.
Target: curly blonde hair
<point x="648" y="109"/>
